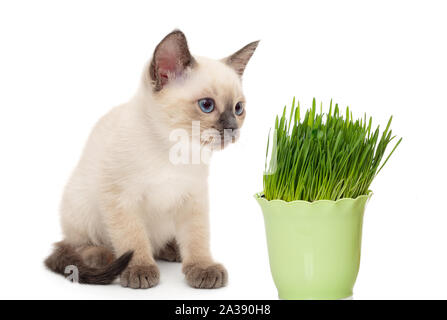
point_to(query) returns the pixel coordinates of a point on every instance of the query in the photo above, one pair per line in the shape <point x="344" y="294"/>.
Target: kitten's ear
<point x="238" y="60"/>
<point x="170" y="60"/>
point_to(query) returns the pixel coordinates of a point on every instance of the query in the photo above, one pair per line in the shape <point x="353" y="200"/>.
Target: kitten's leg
<point x="170" y="252"/>
<point x="96" y="256"/>
<point x="127" y="232"/>
<point x="192" y="230"/>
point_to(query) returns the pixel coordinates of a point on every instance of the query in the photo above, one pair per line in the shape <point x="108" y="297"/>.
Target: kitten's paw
<point x="170" y="252"/>
<point x="140" y="277"/>
<point x="206" y="277"/>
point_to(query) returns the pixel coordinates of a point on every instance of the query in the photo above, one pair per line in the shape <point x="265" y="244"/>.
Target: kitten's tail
<point x="65" y="255"/>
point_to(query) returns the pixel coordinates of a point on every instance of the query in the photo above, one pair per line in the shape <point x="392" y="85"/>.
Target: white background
<point x="63" y="64"/>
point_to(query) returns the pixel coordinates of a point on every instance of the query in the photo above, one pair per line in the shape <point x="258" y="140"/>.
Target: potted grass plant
<point x="316" y="185"/>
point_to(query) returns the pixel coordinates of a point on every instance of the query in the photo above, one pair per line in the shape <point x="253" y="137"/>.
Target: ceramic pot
<point x="314" y="247"/>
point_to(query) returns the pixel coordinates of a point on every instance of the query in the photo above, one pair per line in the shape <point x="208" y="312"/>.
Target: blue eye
<point x="206" y="104"/>
<point x="239" y="109"/>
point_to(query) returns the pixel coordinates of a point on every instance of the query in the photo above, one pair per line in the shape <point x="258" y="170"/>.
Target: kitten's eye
<point x="206" y="104"/>
<point x="239" y="109"/>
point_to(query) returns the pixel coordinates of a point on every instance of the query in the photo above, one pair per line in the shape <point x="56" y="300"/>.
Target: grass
<point x="324" y="156"/>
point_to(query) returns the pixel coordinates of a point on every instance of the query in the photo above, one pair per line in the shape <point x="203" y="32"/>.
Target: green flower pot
<point x="314" y="247"/>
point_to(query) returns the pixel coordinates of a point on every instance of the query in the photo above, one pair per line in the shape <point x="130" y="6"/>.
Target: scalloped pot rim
<point x="258" y="197"/>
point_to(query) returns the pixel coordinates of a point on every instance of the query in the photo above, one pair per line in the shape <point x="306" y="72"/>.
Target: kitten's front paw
<point x="206" y="277"/>
<point x="140" y="277"/>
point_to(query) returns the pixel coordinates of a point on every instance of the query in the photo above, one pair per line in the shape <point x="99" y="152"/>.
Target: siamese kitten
<point x="127" y="203"/>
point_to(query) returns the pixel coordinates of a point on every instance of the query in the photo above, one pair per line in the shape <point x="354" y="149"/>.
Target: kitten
<point x="127" y="203"/>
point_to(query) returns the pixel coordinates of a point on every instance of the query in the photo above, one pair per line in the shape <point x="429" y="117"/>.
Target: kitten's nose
<point x="227" y="120"/>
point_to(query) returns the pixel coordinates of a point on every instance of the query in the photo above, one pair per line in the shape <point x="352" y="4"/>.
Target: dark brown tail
<point x="65" y="255"/>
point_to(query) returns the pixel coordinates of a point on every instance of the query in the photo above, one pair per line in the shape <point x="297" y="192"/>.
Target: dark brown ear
<point x="238" y="60"/>
<point x="171" y="58"/>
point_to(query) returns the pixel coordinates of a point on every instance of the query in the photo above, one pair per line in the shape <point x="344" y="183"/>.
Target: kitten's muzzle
<point x="227" y="121"/>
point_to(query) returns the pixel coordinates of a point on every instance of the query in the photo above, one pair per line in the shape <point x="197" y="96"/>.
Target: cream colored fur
<point x="125" y="194"/>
